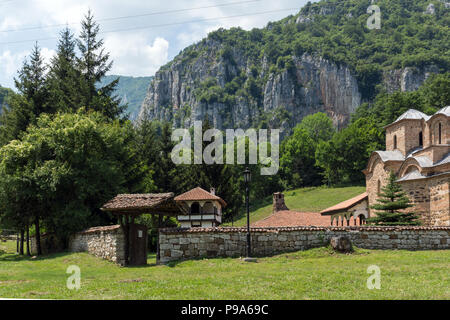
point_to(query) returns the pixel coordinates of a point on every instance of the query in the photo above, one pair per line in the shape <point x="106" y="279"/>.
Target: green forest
<point x="67" y="147"/>
<point x="131" y="90"/>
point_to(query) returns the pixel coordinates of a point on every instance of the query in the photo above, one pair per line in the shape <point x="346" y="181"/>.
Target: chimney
<point x="212" y="190"/>
<point x="278" y="202"/>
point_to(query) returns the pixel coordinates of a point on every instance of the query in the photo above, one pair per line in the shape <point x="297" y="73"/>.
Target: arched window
<point x="379" y="186"/>
<point x="440" y="133"/>
<point x="420" y="138"/>
<point x="362" y="219"/>
<point x="195" y="208"/>
<point x="395" y="142"/>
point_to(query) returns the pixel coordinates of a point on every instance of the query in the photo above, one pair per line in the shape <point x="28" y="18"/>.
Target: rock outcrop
<point x="315" y="85"/>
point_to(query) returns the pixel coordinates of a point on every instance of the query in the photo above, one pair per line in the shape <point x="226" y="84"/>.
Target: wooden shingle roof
<point x="159" y="203"/>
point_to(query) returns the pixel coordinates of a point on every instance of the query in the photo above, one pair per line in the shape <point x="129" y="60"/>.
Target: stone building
<point x="200" y="208"/>
<point x="418" y="152"/>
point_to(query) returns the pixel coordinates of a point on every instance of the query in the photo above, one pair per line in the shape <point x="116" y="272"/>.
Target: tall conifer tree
<point x="63" y="77"/>
<point x="391" y="200"/>
<point x="93" y="64"/>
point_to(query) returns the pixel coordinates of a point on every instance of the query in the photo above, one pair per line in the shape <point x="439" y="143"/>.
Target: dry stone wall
<point x="105" y="242"/>
<point x="178" y="244"/>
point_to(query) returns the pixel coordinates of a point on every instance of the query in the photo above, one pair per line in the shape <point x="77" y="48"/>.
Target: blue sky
<point x="154" y="40"/>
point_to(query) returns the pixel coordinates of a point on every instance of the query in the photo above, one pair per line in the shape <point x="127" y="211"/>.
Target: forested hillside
<point x="4" y="92"/>
<point x="131" y="90"/>
<point x="325" y="58"/>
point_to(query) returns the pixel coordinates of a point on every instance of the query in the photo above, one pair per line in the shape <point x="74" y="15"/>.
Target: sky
<point x="140" y="35"/>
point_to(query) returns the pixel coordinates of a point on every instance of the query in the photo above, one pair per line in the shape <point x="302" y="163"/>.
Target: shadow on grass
<point x="11" y="257"/>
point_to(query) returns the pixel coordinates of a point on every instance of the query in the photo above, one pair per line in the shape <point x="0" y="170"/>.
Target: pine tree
<point x="93" y="64"/>
<point x="23" y="108"/>
<point x="391" y="200"/>
<point x="32" y="81"/>
<point x="64" y="78"/>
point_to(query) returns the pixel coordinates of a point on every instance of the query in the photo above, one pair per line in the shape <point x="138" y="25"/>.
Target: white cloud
<point x="10" y="63"/>
<point x="47" y="54"/>
<point x="138" y="53"/>
<point x="133" y="55"/>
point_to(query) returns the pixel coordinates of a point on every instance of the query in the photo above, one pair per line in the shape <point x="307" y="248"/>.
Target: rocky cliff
<point x="242" y="83"/>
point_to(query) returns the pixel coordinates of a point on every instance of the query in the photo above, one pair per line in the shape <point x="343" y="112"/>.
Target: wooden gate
<point x="138" y="245"/>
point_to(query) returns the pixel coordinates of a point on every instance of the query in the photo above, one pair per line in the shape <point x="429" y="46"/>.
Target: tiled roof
<point x="412" y="114"/>
<point x="424" y="161"/>
<point x="198" y="194"/>
<point x="445" y="110"/>
<point x="445" y="159"/>
<point x="127" y="202"/>
<point x="345" y="205"/>
<point x="414" y="175"/>
<point x="390" y="155"/>
<point x="288" y="218"/>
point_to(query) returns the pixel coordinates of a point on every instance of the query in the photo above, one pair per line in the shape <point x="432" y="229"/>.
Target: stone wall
<point x="49" y="244"/>
<point x="105" y="242"/>
<point x="178" y="244"/>
<point x="431" y="199"/>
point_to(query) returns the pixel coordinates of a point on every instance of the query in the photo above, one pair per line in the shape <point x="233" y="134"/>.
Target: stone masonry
<point x="106" y="242"/>
<point x="179" y="244"/>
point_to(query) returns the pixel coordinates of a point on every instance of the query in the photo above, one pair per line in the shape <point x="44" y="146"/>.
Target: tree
<point x="390" y="201"/>
<point x="93" y="65"/>
<point x="297" y="162"/>
<point x="64" y="77"/>
<point x="65" y="168"/>
<point x="23" y="108"/>
<point x="344" y="156"/>
<point x="319" y="126"/>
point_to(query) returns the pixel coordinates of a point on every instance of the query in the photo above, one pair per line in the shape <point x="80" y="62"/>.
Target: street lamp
<point x="247" y="178"/>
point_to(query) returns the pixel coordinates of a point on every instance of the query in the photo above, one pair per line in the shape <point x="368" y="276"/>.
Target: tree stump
<point x="341" y="244"/>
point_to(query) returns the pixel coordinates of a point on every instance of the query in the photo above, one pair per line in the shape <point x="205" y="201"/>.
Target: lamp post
<point x="247" y="178"/>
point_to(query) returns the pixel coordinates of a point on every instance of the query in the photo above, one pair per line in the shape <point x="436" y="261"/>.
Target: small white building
<point x="201" y="208"/>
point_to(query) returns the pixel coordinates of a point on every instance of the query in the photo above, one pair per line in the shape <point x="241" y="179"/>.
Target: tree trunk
<point x="28" y="241"/>
<point x="38" y="237"/>
<point x="22" y="235"/>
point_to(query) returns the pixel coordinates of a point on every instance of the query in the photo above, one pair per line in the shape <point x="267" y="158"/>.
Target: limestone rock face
<point x="407" y="79"/>
<point x="312" y="84"/>
<point x="315" y="84"/>
<point x="341" y="244"/>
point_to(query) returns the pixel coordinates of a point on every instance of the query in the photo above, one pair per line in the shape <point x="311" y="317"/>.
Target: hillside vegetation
<point x="131" y="90"/>
<point x="4" y="93"/>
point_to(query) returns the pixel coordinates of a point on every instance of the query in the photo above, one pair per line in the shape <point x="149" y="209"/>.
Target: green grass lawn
<point x="305" y="199"/>
<point x="312" y="274"/>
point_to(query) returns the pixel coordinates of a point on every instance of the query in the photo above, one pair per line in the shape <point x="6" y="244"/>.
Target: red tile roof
<point x="345" y="205"/>
<point x="288" y="218"/>
<point x="197" y="194"/>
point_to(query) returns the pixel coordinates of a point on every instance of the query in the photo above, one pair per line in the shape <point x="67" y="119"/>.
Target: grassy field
<point x="312" y="274"/>
<point x="304" y="199"/>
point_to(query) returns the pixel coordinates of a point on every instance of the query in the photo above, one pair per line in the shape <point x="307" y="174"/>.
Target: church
<point x="418" y="152"/>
